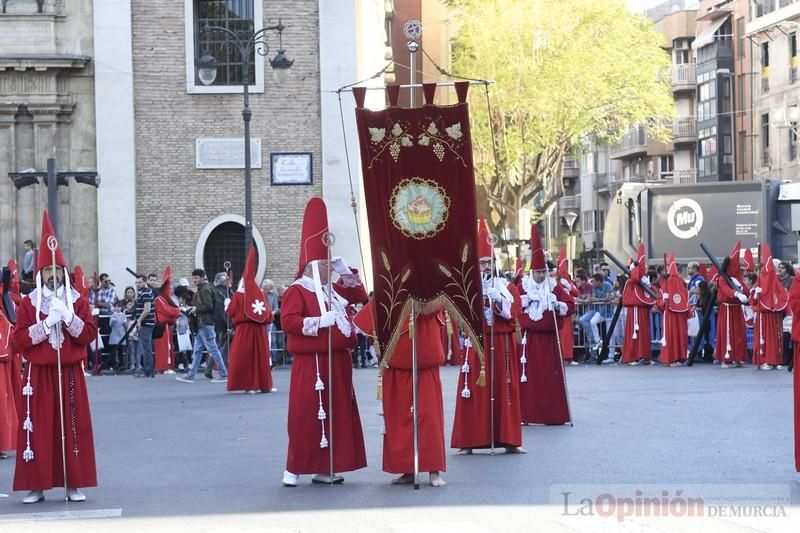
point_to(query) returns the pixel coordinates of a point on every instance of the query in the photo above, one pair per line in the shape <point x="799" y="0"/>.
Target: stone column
<point x="8" y="241"/>
<point x="26" y="197"/>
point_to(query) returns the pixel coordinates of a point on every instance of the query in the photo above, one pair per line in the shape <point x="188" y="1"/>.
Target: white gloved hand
<point x="327" y="319"/>
<point x="757" y="290"/>
<point x="226" y="303"/>
<point x="742" y="297"/>
<point x="524" y="300"/>
<point x="665" y="296"/>
<point x="645" y="280"/>
<point x="551" y="300"/>
<point x="494" y="294"/>
<point x="52" y="319"/>
<point x="562" y="308"/>
<point x="565" y="283"/>
<point x="341" y="267"/>
<point x="60" y="309"/>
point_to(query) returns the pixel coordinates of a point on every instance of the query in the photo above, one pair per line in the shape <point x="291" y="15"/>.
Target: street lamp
<point x="246" y="43"/>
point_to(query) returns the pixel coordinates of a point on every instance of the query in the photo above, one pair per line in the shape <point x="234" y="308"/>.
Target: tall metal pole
<point x="246" y="116"/>
<point x="52" y="193"/>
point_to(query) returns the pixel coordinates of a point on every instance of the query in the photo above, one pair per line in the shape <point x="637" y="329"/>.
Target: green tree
<point x="564" y="69"/>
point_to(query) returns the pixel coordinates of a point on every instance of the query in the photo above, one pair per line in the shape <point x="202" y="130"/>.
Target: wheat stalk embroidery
<point x="459" y="278"/>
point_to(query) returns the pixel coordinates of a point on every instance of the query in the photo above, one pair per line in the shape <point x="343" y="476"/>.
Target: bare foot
<point x="437" y="480"/>
<point x="515" y="449"/>
<point x="405" y="479"/>
<point x="464" y="451"/>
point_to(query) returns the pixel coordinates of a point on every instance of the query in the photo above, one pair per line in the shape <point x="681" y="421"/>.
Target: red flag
<point x="419" y="188"/>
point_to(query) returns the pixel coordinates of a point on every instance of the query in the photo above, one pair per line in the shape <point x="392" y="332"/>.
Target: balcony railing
<point x="570" y="202"/>
<point x="633" y="142"/>
<point x="600" y="182"/>
<point x="685" y="176"/>
<point x="684" y="130"/>
<point x="684" y="76"/>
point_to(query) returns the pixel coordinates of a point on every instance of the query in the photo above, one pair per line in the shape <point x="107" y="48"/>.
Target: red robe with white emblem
<point x="8" y="409"/>
<point x="249" y="359"/>
<point x="566" y="330"/>
<point x="45" y="470"/>
<point x="398" y="442"/>
<point x="731" y="345"/>
<point x="472" y="426"/>
<point x="309" y="347"/>
<point x="164" y="349"/>
<point x="768" y="300"/>
<point x="543" y="397"/>
<point x="636" y="341"/>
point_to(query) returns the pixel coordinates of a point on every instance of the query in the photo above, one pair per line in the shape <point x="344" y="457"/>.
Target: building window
<point x="707" y="156"/>
<point x="764" y="7"/>
<point x="740" y="35"/>
<point x="793" y="141"/>
<point x="740" y="89"/>
<point x="588" y="221"/>
<point x="792" y="57"/>
<point x="765" y="67"/>
<point x="707" y="97"/>
<point x="765" y="140"/>
<point x="666" y="166"/>
<point x="236" y="15"/>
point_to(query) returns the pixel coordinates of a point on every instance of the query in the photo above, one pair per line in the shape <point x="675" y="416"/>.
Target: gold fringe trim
<point x="482" y="376"/>
<point x="448" y="324"/>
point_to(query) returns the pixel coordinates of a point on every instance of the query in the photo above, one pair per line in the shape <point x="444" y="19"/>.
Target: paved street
<point x="190" y="456"/>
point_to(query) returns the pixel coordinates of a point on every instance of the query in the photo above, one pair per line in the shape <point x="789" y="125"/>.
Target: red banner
<point x="419" y="187"/>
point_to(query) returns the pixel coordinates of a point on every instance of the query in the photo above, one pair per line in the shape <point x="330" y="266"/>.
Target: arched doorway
<point x="222" y="240"/>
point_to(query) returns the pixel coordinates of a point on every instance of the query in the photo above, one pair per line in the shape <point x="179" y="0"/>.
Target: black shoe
<point x="209" y="376"/>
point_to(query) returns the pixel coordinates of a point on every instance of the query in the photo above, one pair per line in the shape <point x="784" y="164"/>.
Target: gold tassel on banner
<point x="482" y="376"/>
<point x="518" y="330"/>
<point x="411" y="327"/>
<point x="380" y="386"/>
<point x="448" y="323"/>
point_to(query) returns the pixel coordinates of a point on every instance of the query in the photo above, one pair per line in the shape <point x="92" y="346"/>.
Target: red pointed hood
<point x="676" y="288"/>
<point x="14" y="285"/>
<point x="365" y="319"/>
<point x="538" y="261"/>
<point x="315" y="226"/>
<point x="773" y="295"/>
<point x="256" y="306"/>
<point x="702" y="269"/>
<point x="166" y="284"/>
<point x="734" y="269"/>
<point x="563" y="264"/>
<point x="45" y="257"/>
<point x="485" y="248"/>
<point x="641" y="263"/>
<point x="81" y="285"/>
<point x="748" y="262"/>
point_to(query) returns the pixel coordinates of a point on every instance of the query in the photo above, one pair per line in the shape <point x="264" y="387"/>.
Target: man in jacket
<point x="203" y="309"/>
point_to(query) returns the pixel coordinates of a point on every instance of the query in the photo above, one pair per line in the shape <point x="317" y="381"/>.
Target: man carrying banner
<point x="731" y="346"/>
<point x="54" y="326"/>
<point x="543" y="388"/>
<point x="167" y="313"/>
<point x="472" y="426"/>
<point x="636" y="341"/>
<point x="315" y="323"/>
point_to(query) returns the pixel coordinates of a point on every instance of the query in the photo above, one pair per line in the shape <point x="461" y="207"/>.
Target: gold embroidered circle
<point x="419" y="207"/>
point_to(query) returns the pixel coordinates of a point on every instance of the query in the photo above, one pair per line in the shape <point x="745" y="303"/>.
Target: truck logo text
<point x="685" y="218"/>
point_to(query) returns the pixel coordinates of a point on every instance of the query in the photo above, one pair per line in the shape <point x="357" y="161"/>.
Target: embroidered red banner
<point x="419" y="187"/>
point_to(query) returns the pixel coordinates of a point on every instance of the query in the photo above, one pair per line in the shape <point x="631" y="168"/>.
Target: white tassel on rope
<point x="635" y="324"/>
<point x="524" y="360"/>
<point x="319" y="386"/>
<point x="27" y="425"/>
<point x="465" y="392"/>
<point x="664" y="329"/>
<point x="728" y="348"/>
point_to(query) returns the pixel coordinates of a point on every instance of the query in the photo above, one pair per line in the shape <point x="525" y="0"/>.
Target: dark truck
<point x="679" y="217"/>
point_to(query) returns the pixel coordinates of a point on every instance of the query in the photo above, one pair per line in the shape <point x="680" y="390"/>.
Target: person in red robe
<point x="636" y="341"/>
<point x="567" y="331"/>
<point x="54" y="316"/>
<point x="768" y="299"/>
<point x="674" y="303"/>
<point x="312" y="321"/>
<point x="545" y="303"/>
<point x="396" y="379"/>
<point x="167" y="314"/>
<point x="11" y="300"/>
<point x="249" y="366"/>
<point x="8" y="409"/>
<point x="474" y="404"/>
<point x="794" y="306"/>
<point x="731" y="346"/>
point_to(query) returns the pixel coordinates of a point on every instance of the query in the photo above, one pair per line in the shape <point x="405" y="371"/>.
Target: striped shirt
<point x="145" y="295"/>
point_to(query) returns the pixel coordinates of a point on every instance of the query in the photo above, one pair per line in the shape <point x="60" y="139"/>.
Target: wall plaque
<point x="226" y="153"/>
<point x="291" y="168"/>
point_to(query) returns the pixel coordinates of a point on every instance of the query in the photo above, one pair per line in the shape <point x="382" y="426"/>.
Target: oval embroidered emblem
<point x="419" y="208"/>
<point x="676" y="298"/>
